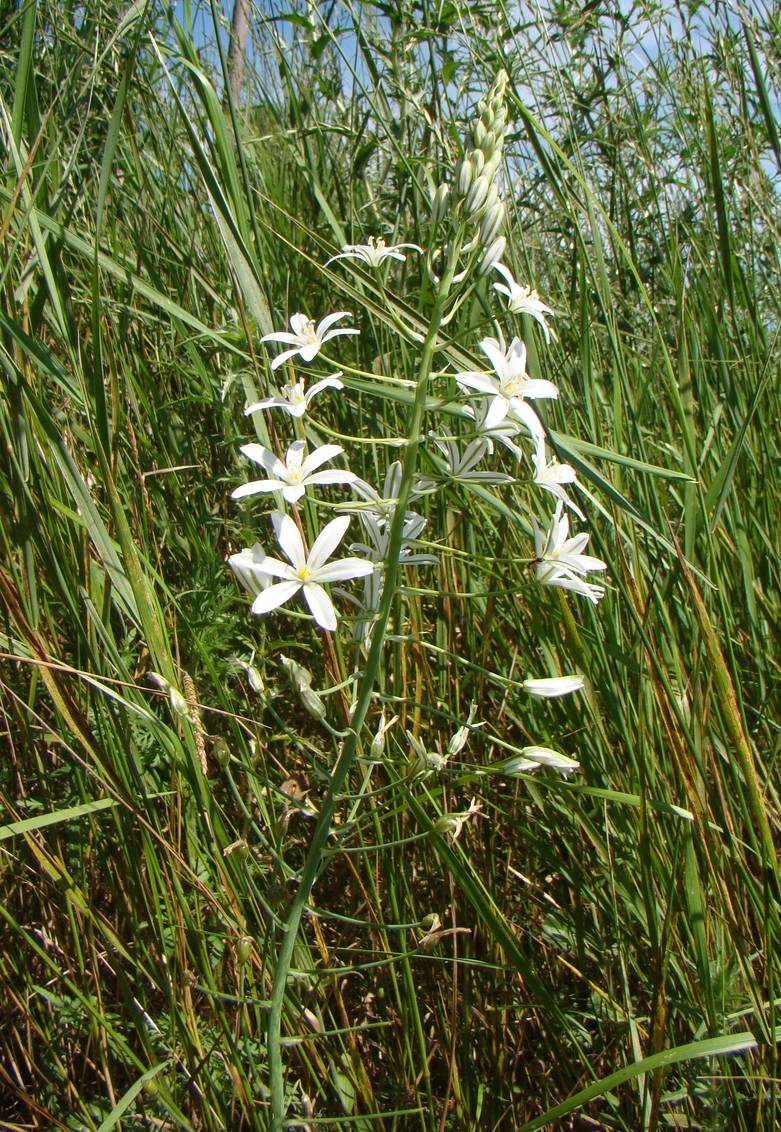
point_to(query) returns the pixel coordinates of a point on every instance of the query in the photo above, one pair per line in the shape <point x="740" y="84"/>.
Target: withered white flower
<point x="294" y="397"/>
<point x="533" y="757"/>
<point x="306" y="338"/>
<point x="308" y="572"/>
<point x="295" y="473"/>
<point x="560" y="561"/>
<point x="523" y="300"/>
<point x="550" y="475"/>
<point x="375" y="252"/>
<point x="509" y="385"/>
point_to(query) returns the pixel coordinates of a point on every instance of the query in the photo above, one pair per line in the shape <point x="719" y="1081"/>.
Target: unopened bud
<point x="440" y="202"/>
<point x="488" y="143"/>
<point x="464" y="175"/>
<point x="478" y="133"/>
<point x="493" y="255"/>
<point x="477" y="194"/>
<point x="492" y="223"/>
<point x="477" y="161"/>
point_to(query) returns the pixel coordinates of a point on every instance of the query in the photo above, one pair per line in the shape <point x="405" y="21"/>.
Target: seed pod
<point x="493" y="254"/>
<point x="243" y="946"/>
<point x="312" y="703"/>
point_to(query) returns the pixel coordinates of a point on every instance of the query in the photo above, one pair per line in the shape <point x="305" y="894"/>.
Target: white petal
<point x="283" y="357"/>
<point x="274" y="596"/>
<point x="344" y="569"/>
<point x="255" y="487"/>
<point x="327" y="541"/>
<point x="321" y="606"/>
<point x="328" y="322"/>
<point x="320" y="456"/>
<point x="289" y="539"/>
<point x="482" y="382"/>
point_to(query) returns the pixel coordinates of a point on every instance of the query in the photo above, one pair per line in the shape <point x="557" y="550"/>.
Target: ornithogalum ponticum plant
<point x="485" y="415"/>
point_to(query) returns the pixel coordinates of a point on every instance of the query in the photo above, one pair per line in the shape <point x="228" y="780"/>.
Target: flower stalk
<point x="350" y="749"/>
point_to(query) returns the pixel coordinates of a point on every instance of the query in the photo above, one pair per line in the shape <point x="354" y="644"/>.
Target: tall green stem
<point x="366" y="691"/>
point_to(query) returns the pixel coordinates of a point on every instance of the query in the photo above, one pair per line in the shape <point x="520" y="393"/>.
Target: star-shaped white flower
<point x="295" y="397"/>
<point x="523" y="300"/>
<point x="306" y="339"/>
<point x="308" y="572"/>
<point x="375" y="252"/>
<point x="550" y="475"/>
<point x="560" y="560"/>
<point x="295" y="473"/>
<point x="509" y="385"/>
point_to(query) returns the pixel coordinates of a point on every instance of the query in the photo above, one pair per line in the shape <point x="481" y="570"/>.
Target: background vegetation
<point x="600" y="952"/>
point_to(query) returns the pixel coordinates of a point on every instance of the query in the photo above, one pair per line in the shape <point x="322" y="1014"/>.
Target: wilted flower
<point x="549" y="687"/>
<point x="306" y="339"/>
<point x="560" y="561"/>
<point x="307" y="572"/>
<point x="375" y="252"/>
<point x="295" y="473"/>
<point x="294" y="398"/>
<point x="452" y="824"/>
<point x="247" y="565"/>
<point x="530" y="758"/>
<point x="461" y="465"/>
<point x="510" y="385"/>
<point x="550" y="475"/>
<point x="522" y="300"/>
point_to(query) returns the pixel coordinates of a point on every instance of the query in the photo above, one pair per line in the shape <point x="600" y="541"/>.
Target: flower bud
<point x="488" y="144"/>
<point x="492" y="223"/>
<point x="464" y="176"/>
<point x="440" y="202"/>
<point x="477" y="194"/>
<point x="477" y="161"/>
<point x="492" y="255"/>
<point x="478" y="133"/>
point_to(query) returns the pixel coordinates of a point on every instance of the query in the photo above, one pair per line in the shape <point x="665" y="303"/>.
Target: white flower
<point x="550" y="475"/>
<point x="293" y="475"/>
<point x="510" y="385"/>
<point x="522" y="300"/>
<point x="560" y="561"/>
<point x="307" y="572"/>
<point x="548" y="687"/>
<point x="375" y="252"/>
<point x="306" y="339"/>
<point x="294" y="399"/>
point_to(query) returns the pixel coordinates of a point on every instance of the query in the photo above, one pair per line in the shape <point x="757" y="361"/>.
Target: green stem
<point x="314" y="858"/>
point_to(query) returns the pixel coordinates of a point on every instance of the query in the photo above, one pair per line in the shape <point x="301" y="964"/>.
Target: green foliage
<point x="604" y="944"/>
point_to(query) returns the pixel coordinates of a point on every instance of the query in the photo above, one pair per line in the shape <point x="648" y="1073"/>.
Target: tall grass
<point x="595" y="952"/>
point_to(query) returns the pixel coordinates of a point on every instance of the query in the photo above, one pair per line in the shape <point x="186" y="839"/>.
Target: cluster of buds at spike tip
<point x="475" y="179"/>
